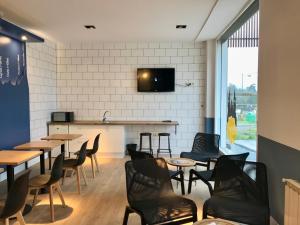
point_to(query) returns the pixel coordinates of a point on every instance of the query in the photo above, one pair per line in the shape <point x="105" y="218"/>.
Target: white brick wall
<point x="41" y="72"/>
<point x="94" y="77"/>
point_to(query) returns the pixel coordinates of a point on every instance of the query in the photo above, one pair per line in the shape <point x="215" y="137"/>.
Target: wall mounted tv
<point x="156" y="79"/>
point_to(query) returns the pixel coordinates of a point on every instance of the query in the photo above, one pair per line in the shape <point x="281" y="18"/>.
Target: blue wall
<point x="14" y="94"/>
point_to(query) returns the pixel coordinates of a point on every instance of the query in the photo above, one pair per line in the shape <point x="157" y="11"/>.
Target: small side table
<point x="214" y="222"/>
<point x="181" y="162"/>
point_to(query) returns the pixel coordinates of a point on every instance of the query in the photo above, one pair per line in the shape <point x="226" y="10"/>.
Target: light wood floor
<point x="102" y="202"/>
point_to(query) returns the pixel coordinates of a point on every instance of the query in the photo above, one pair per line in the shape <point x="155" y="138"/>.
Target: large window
<point x="238" y="85"/>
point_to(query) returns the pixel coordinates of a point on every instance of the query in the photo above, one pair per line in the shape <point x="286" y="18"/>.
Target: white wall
<point x="41" y="72"/>
<point x="278" y="99"/>
<point x="94" y="77"/>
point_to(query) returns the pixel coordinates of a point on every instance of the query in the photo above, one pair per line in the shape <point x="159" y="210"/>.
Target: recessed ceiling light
<point x="181" y="26"/>
<point x="90" y="27"/>
<point x="24" y="38"/>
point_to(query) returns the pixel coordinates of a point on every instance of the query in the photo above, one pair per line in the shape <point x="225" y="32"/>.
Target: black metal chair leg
<point x="182" y="183"/>
<point x="210" y="188"/>
<point x="143" y="222"/>
<point x="208" y="165"/>
<point x="126" y="215"/>
<point x="190" y="183"/>
<point x="204" y="211"/>
<point x="195" y="218"/>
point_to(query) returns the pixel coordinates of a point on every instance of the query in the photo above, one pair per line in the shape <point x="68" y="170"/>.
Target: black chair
<point x="239" y="195"/>
<point x="174" y="175"/>
<point x="50" y="181"/>
<point x="205" y="148"/>
<point x="91" y="153"/>
<point x="151" y="196"/>
<point x="76" y="165"/>
<point x="16" y="199"/>
<point x="208" y="175"/>
<point x="135" y="155"/>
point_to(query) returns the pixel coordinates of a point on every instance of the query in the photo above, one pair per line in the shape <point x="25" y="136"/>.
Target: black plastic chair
<point x="205" y="147"/>
<point x="208" y="175"/>
<point x="239" y="195"/>
<point x="91" y="153"/>
<point x="76" y="165"/>
<point x="174" y="175"/>
<point x="51" y="182"/>
<point x="16" y="199"/>
<point x="151" y="196"/>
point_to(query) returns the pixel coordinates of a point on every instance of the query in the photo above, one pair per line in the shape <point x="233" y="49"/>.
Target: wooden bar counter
<point x="113" y="133"/>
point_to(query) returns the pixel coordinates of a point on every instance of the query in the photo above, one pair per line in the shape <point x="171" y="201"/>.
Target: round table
<point x="214" y="222"/>
<point x="181" y="162"/>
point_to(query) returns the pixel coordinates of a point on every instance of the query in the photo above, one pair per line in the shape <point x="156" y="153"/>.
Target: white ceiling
<point x="223" y="14"/>
<point x="124" y="20"/>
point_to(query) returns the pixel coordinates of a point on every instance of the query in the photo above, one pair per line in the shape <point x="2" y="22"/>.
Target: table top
<point x="183" y="162"/>
<point x="14" y="158"/>
<point x="34" y="145"/>
<point x="62" y="137"/>
<point x="214" y="222"/>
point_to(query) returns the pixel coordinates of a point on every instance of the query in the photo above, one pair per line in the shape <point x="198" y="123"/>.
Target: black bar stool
<point x="164" y="149"/>
<point x="149" y="135"/>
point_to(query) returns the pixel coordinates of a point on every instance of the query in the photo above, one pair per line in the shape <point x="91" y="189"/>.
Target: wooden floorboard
<point x="102" y="202"/>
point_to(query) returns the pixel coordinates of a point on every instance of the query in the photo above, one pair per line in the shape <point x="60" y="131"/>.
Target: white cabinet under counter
<point x="112" y="139"/>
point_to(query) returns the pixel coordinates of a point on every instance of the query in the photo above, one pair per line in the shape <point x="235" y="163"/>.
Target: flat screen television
<point x="156" y="79"/>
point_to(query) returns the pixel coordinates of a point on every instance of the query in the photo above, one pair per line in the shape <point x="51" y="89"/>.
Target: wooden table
<point x="62" y="137"/>
<point x="43" y="146"/>
<point x="214" y="222"/>
<point x="11" y="158"/>
<point x="181" y="162"/>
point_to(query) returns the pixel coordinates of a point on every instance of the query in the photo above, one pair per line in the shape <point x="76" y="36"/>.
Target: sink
<point x="105" y="122"/>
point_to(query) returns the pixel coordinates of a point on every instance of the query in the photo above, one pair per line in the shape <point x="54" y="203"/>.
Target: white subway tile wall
<point x="95" y="77"/>
<point x="41" y="73"/>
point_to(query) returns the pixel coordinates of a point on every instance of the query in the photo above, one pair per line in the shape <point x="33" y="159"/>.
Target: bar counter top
<point x="116" y="122"/>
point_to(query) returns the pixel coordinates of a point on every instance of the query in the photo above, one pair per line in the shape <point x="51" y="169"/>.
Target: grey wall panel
<point x="282" y="162"/>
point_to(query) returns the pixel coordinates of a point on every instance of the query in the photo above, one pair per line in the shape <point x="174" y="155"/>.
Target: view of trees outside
<point x="242" y="83"/>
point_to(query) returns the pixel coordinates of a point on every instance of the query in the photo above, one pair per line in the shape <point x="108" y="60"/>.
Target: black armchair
<point x="208" y="175"/>
<point x="205" y="148"/>
<point x="175" y="175"/>
<point x="239" y="195"/>
<point x="151" y="196"/>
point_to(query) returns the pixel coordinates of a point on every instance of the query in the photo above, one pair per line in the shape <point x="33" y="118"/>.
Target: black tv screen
<point x="156" y="79"/>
